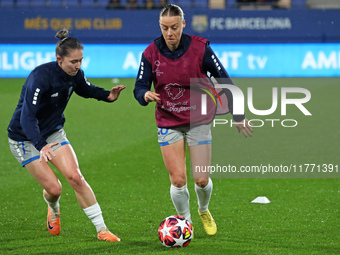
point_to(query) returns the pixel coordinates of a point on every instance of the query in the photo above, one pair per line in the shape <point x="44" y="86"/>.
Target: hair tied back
<point x="62" y="34"/>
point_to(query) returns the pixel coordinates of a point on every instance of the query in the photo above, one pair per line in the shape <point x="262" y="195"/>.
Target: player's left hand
<point x="244" y="126"/>
<point x="115" y="91"/>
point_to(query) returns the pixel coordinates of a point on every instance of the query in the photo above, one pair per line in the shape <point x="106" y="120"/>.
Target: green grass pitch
<point x="119" y="156"/>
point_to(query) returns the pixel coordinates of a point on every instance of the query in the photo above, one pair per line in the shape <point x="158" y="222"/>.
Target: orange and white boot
<point x="105" y="235"/>
<point x="53" y="222"/>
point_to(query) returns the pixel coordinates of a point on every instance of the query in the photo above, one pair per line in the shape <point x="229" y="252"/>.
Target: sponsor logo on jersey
<point x="174" y="90"/>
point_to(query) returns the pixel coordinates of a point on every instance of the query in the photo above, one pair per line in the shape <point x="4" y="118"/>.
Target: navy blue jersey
<point x="211" y="64"/>
<point x="43" y="99"/>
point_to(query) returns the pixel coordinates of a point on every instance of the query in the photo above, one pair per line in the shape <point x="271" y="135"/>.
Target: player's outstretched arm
<point x="244" y="126"/>
<point x="115" y="92"/>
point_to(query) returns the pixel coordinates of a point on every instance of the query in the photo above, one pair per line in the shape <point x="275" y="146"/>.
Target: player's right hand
<point x="46" y="152"/>
<point x="151" y="96"/>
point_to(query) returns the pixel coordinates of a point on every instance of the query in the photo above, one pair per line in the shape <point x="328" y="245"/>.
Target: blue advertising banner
<point x="240" y="60"/>
<point x="100" y="26"/>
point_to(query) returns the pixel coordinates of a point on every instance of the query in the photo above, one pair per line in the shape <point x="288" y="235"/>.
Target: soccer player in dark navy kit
<point x="169" y="63"/>
<point x="36" y="133"/>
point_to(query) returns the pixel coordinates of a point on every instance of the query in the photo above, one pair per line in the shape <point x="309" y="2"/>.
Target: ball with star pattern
<point x="175" y="231"/>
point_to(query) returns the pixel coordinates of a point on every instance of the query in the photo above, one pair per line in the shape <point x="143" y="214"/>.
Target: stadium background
<point x="250" y="43"/>
<point x="262" y="45"/>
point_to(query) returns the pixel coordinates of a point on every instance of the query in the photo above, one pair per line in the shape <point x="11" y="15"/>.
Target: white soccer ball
<point x="175" y="231"/>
